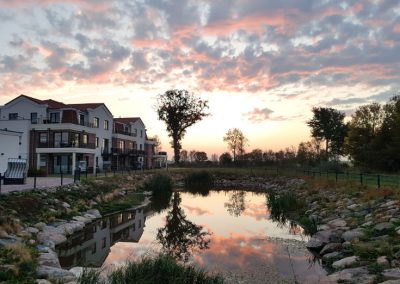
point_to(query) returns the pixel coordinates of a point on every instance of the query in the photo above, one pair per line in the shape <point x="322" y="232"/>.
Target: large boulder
<point x="345" y="262"/>
<point x="357" y="275"/>
<point x="49" y="272"/>
<point x="353" y="234"/>
<point x="392" y="273"/>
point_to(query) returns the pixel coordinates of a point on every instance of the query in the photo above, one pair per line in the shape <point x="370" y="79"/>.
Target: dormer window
<point x="54" y="117"/>
<point x="13" y="116"/>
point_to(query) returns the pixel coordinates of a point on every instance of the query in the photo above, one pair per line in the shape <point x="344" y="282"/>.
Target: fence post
<point x="379" y="181"/>
<point x="336" y="176"/>
<point x="61" y="172"/>
<point x="34" y="179"/>
<point x="361" y="178"/>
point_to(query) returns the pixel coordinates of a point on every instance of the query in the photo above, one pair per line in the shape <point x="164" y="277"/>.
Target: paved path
<point x="41" y="182"/>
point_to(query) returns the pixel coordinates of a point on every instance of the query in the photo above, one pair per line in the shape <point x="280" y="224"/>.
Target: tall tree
<point x="236" y="141"/>
<point x="179" y="110"/>
<point x="327" y="124"/>
<point x="201" y="156"/>
<point x="225" y="158"/>
<point x="184" y="156"/>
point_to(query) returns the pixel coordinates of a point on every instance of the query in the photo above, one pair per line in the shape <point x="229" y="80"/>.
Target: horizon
<point x="262" y="65"/>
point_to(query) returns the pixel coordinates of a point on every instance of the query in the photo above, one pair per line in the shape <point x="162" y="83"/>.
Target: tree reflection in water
<point x="236" y="204"/>
<point x="180" y="237"/>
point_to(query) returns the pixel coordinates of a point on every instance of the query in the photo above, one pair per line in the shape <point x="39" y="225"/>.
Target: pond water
<point x="226" y="231"/>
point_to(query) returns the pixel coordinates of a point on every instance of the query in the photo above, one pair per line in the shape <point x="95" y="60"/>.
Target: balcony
<point x="130" y="152"/>
<point x="125" y="133"/>
<point x="55" y="121"/>
<point x="67" y="145"/>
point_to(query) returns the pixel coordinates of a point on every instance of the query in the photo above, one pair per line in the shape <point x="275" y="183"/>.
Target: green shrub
<point x="199" y="182"/>
<point x="162" y="269"/>
<point x="158" y="183"/>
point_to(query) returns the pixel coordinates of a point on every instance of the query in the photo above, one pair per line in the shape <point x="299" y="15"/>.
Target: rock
<point x="382" y="227"/>
<point x="331" y="247"/>
<point x="315" y="244"/>
<point x="49" y="236"/>
<point x="32" y="230"/>
<point x="77" y="271"/>
<point x="82" y="219"/>
<point x="352" y="275"/>
<point x="71" y="227"/>
<point x="366" y="224"/>
<point x="42" y="281"/>
<point x="39" y="225"/>
<point x="353" y="207"/>
<point x="383" y="261"/>
<point x="392" y="273"/>
<point x="331" y="256"/>
<point x="65" y="205"/>
<point x="49" y="259"/>
<point x="337" y="223"/>
<point x="5" y="242"/>
<point x="389" y="203"/>
<point x="345" y="262"/>
<point x="346" y="245"/>
<point x="353" y="234"/>
<point x="90" y="216"/>
<point x="94" y="212"/>
<point x="390" y="282"/>
<point x="53" y="272"/>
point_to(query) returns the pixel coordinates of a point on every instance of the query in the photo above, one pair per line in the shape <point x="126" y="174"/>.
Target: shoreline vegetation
<point x="355" y="229"/>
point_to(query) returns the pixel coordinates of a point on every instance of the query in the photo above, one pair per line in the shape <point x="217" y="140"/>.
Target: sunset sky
<point x="261" y="64"/>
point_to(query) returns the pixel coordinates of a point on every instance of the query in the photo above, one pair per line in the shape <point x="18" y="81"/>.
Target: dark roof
<point x="55" y="104"/>
<point x="27" y="97"/>
<point x="126" y="120"/>
<point x="85" y="107"/>
<point x="50" y="103"/>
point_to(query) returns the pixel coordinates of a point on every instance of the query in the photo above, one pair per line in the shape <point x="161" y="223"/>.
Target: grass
<point x="124" y="203"/>
<point x="18" y="264"/>
<point x="161" y="269"/>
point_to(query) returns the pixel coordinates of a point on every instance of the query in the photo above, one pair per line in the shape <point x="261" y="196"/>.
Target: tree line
<point x="370" y="139"/>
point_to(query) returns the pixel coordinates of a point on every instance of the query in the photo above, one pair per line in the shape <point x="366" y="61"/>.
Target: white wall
<point x="9" y="148"/>
<point x="18" y="126"/>
<point x="140" y="139"/>
<point x="23" y="107"/>
<point x="102" y="113"/>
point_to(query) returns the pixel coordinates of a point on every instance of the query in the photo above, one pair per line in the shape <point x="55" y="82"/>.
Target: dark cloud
<point x="258" y="115"/>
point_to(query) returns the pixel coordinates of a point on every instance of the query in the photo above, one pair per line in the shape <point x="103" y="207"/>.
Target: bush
<point x="162" y="269"/>
<point x="201" y="179"/>
<point x="158" y="183"/>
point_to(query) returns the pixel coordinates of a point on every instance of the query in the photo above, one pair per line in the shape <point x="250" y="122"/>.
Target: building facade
<point x="10" y="147"/>
<point x="57" y="137"/>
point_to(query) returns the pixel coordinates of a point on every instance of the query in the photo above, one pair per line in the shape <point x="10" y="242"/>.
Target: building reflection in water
<point x="91" y="245"/>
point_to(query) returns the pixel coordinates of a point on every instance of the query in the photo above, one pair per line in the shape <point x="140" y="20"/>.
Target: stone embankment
<point x="357" y="238"/>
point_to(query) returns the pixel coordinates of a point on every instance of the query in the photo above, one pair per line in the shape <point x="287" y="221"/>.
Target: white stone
<point x="345" y="262"/>
<point x="337" y="223"/>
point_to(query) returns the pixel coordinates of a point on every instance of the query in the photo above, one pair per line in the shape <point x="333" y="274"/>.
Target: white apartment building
<point x="57" y="137"/>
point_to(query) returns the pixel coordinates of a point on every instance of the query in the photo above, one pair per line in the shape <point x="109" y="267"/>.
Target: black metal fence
<point x="369" y="179"/>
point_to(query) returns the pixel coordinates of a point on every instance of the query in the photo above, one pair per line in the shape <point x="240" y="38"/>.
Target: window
<point x="13" y="116"/>
<point x="141" y="147"/>
<point x="82" y="119"/>
<point x="141" y="133"/>
<point x="103" y="243"/>
<point x="43" y="138"/>
<point x="84" y="139"/>
<point x="96" y="122"/>
<point x="43" y="161"/>
<point x="34" y="119"/>
<point x="105" y="144"/>
<point x="97" y="162"/>
<point x="94" y="248"/>
<point x="97" y="142"/>
<point x="60" y="139"/>
<point x="54" y="117"/>
<point x="106" y="126"/>
<point x="119" y="219"/>
<point x="75" y="140"/>
<point x="121" y="144"/>
<point x="135" y="132"/>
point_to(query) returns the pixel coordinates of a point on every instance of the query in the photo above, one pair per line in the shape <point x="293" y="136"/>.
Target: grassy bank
<point x="161" y="269"/>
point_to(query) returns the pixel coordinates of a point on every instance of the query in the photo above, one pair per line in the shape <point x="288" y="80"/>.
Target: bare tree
<point x="236" y="142"/>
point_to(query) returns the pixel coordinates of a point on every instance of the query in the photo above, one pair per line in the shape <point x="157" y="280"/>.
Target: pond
<point x="230" y="232"/>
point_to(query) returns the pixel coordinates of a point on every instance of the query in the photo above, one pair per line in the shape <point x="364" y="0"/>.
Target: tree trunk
<point x="177" y="150"/>
<point x="326" y="149"/>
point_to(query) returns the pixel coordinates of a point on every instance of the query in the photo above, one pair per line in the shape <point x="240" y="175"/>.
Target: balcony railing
<point x="125" y="133"/>
<point x="55" y="121"/>
<point x="133" y="152"/>
<point x="67" y="145"/>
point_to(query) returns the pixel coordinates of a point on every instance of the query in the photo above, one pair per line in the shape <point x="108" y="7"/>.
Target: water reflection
<point x="237" y="203"/>
<point x="181" y="237"/>
<point x="91" y="245"/>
